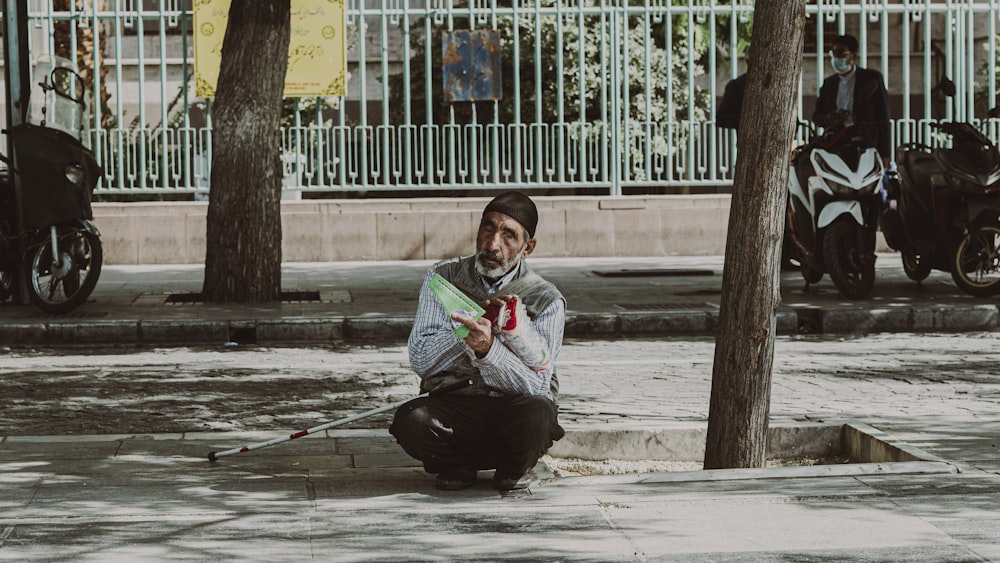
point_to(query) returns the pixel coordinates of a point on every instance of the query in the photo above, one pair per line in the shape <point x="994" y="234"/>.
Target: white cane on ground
<point x="214" y="456"/>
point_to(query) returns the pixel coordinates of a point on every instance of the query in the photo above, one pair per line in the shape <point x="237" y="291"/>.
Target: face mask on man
<point x="840" y="64"/>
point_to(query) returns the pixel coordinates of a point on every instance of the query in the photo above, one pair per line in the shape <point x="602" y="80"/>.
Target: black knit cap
<point x="518" y="206"/>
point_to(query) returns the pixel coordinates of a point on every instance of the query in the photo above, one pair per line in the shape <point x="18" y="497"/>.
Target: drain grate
<point x="697" y="292"/>
<point x="681" y="306"/>
<point x="286" y="297"/>
<point x="653" y="272"/>
<point x="300" y="297"/>
<point x="79" y="315"/>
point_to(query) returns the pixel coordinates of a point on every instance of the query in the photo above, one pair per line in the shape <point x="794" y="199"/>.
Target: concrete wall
<point x="427" y="228"/>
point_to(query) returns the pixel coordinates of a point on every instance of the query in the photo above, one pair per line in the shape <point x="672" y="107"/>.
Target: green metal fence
<point x="606" y="96"/>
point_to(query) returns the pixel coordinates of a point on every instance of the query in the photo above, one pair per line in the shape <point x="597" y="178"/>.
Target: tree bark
<point x="243" y="245"/>
<point x="744" y="350"/>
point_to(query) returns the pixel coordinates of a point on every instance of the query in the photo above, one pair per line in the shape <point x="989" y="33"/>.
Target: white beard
<point x="498" y="271"/>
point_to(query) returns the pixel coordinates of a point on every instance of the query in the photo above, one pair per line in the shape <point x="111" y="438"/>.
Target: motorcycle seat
<point x="920" y="166"/>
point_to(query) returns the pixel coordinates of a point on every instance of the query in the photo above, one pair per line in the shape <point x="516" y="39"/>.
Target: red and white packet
<point x="512" y="326"/>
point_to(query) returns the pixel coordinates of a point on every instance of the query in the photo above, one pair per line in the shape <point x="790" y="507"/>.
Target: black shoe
<point x="455" y="479"/>
<point x="507" y="481"/>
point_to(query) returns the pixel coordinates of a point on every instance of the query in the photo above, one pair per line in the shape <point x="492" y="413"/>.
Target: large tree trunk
<point x="744" y="350"/>
<point x="243" y="258"/>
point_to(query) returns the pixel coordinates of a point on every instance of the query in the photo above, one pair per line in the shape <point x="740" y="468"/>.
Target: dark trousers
<point x="503" y="433"/>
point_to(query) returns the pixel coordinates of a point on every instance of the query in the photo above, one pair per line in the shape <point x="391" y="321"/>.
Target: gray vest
<point x="536" y="294"/>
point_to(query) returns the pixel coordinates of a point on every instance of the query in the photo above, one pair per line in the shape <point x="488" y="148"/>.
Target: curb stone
<point x="326" y="330"/>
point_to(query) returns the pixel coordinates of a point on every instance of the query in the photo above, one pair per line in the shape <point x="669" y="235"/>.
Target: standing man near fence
<point x="854" y="95"/>
<point x="507" y="418"/>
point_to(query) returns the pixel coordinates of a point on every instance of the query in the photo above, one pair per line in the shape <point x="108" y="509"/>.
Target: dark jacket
<point x="871" y="105"/>
<point x="727" y="115"/>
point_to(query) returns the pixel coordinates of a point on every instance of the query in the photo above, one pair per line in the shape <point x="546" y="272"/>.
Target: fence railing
<point x="613" y="96"/>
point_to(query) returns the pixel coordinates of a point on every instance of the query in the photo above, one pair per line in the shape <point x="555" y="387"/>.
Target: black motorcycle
<point x="943" y="208"/>
<point x="55" y="253"/>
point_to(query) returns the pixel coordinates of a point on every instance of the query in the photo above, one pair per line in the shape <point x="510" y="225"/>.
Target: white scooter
<point x="834" y="198"/>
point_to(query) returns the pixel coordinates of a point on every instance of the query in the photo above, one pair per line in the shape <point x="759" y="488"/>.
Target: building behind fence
<point x="607" y="97"/>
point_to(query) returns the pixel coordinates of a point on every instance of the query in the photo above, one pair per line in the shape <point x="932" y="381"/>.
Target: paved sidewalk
<point x="346" y="496"/>
<point x="375" y="301"/>
<point x="350" y="496"/>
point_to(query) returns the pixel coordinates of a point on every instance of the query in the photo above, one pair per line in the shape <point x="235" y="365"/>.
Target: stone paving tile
<point x="149" y="498"/>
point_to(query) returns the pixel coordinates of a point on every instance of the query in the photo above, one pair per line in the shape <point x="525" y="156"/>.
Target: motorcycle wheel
<point x="916" y="266"/>
<point x="850" y="271"/>
<point x="975" y="266"/>
<point x="6" y="285"/>
<point x="62" y="290"/>
<point x="7" y="265"/>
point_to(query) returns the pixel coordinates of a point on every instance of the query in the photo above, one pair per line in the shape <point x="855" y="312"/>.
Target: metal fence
<point x="611" y="96"/>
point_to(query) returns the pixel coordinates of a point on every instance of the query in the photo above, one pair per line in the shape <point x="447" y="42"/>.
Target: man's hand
<point x="494" y="307"/>
<point x="837" y="119"/>
<point x="480" y="337"/>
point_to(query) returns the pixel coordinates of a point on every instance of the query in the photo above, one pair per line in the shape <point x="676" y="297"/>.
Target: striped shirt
<point x="434" y="347"/>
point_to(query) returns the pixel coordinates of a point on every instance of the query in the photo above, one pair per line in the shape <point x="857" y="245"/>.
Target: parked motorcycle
<point x="834" y="197"/>
<point x="943" y="209"/>
<point x="57" y="253"/>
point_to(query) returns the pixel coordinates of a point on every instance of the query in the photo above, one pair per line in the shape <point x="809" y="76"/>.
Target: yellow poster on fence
<point x="317" y="52"/>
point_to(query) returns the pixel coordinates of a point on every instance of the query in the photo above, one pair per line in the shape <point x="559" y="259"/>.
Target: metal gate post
<point x="618" y="136"/>
<point x="17" y="77"/>
<point x="17" y="71"/>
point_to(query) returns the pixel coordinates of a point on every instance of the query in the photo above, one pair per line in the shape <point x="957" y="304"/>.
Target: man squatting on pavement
<point x="507" y="418"/>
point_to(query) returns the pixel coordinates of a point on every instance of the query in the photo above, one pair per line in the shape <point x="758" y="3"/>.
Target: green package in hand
<point x="453" y="300"/>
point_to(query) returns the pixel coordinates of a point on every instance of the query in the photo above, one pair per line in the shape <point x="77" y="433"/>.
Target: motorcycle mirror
<point x="67" y="84"/>
<point x="947" y="87"/>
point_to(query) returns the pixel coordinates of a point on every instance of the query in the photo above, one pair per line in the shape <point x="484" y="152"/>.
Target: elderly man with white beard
<point x="507" y="418"/>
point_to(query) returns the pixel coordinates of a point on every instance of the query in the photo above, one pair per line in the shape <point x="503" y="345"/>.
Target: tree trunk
<point x="243" y="257"/>
<point x="744" y="350"/>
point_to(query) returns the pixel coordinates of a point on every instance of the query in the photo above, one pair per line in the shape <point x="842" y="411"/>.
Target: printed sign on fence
<point x="317" y="51"/>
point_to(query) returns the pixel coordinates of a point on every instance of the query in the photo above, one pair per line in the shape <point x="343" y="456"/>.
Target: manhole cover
<point x="286" y="297"/>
